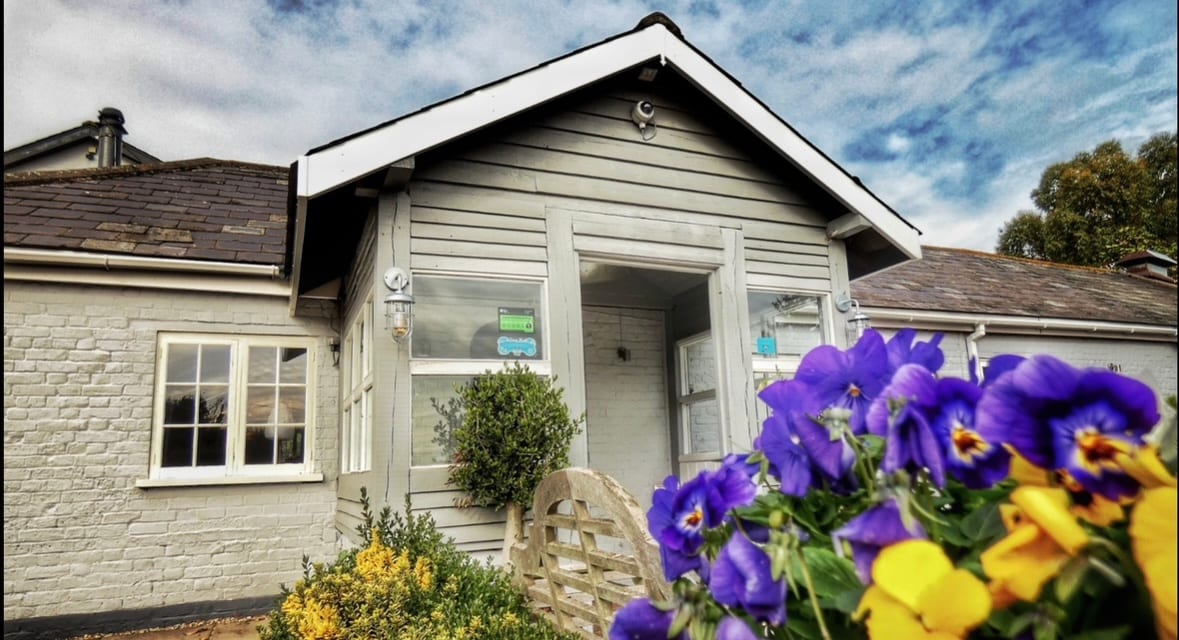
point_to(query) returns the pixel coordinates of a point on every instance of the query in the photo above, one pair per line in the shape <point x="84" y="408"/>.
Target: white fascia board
<point x="341" y="163"/>
<point x="968" y="321"/>
<point x="741" y="105"/>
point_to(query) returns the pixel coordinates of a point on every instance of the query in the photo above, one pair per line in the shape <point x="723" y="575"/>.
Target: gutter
<point x="110" y="261"/>
<point x="1022" y="324"/>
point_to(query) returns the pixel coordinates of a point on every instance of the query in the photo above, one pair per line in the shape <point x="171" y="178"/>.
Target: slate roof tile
<point x="973" y="282"/>
<point x="171" y="209"/>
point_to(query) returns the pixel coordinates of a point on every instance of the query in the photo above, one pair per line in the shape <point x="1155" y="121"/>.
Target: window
<point x="700" y="432"/>
<point x="464" y="326"/>
<point x="232" y="406"/>
<point x="784" y="327"/>
<point x="357" y="373"/>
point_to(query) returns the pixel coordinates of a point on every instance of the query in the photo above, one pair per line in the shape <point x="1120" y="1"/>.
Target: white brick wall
<point x="79" y="537"/>
<point x="627" y="422"/>
<point x="1151" y="362"/>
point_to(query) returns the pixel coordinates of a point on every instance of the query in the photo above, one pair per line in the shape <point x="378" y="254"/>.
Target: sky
<point x="948" y="111"/>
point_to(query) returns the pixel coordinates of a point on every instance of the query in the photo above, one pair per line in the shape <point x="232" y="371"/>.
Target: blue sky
<point x="949" y="111"/>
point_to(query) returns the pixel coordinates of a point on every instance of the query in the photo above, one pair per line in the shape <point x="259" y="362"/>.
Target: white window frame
<point x="687" y="397"/>
<point x="356" y="416"/>
<point x="785" y="367"/>
<point x="420" y="367"/>
<point x="234" y="470"/>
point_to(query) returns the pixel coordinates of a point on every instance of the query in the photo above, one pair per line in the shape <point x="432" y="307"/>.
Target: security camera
<point x="642" y="113"/>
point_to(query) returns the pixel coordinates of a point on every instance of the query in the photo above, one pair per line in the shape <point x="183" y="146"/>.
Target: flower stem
<point x="810" y="587"/>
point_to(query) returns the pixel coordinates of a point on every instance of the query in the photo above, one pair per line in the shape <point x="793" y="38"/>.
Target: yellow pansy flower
<point x="1143" y="464"/>
<point x="1153" y="536"/>
<point x="1093" y="508"/>
<point x="1042" y="535"/>
<point x="938" y="602"/>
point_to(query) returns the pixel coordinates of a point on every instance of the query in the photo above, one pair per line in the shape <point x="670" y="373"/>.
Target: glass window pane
<point x="291" y="405"/>
<point x="215" y="363"/>
<point x="784" y="324"/>
<point x="177" y="447"/>
<point x="477" y="319"/>
<point x="179" y="404"/>
<point x="435" y="416"/>
<point x="260" y="405"/>
<point x="703" y="426"/>
<point x="261" y="366"/>
<point x="290" y="445"/>
<point x="212" y="405"/>
<point x="700" y="367"/>
<point x="182" y="362"/>
<point x="293" y="366"/>
<point x="210" y="446"/>
<point x="260" y="445"/>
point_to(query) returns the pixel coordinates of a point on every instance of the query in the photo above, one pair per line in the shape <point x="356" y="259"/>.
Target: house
<point x="169" y="427"/>
<point x="92" y="144"/>
<point x="626" y="218"/>
<point x="989" y="304"/>
<point x="206" y="361"/>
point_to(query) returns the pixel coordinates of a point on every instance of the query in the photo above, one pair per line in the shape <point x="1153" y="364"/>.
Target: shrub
<point x="515" y="431"/>
<point x="406" y="581"/>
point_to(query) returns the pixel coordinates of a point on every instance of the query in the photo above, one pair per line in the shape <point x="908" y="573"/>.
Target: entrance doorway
<point x="632" y="319"/>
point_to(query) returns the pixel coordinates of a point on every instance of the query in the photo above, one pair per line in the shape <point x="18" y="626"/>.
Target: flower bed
<point x="405" y="582"/>
<point x="884" y="501"/>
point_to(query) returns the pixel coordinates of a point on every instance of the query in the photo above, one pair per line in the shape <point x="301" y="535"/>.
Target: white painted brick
<point x="79" y="387"/>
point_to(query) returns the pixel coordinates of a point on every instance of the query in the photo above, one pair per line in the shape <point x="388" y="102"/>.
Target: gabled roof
<point x="87" y="132"/>
<point x="203" y="209"/>
<point x="960" y="281"/>
<point x="344" y="162"/>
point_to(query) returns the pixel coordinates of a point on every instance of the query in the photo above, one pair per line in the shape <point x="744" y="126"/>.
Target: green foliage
<point x="1100" y="206"/>
<point x="515" y="431"/>
<point x="407" y="581"/>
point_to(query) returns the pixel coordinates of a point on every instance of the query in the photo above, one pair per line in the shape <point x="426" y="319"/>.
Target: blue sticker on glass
<point x="512" y="346"/>
<point x="767" y="346"/>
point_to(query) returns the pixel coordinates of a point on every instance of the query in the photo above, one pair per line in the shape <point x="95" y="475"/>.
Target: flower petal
<point x="1049" y="509"/>
<point x="971" y="603"/>
<point x="1153" y="536"/>
<point x="894" y="572"/>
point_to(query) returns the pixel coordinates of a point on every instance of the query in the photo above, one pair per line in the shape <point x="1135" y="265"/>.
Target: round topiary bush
<point x="516" y="429"/>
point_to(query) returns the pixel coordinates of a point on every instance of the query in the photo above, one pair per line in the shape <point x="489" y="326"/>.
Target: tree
<point x="1100" y="206"/>
<point x="515" y="431"/>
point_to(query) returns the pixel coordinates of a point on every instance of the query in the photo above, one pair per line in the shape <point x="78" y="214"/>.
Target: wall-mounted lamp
<point x="859" y="320"/>
<point x="334" y="345"/>
<point x="398" y="305"/>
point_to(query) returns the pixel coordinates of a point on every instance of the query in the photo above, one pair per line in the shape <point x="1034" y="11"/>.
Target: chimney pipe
<point x="110" y="137"/>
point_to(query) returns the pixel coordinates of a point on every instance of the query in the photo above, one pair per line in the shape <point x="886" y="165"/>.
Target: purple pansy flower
<point x="1060" y="417"/>
<point x="902" y="415"/>
<point x="789" y="462"/>
<point x="902" y="351"/>
<point x="731" y="628"/>
<point x="640" y="620"/>
<point x="996" y="367"/>
<point x="846" y="379"/>
<point x="872" y="531"/>
<point x="679" y="514"/>
<point x="792" y="428"/>
<point x="974" y="461"/>
<point x="741" y="577"/>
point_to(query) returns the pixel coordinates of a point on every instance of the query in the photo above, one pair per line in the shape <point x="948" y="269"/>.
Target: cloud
<point x="947" y="110"/>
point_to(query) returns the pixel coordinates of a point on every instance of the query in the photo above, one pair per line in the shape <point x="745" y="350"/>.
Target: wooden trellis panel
<point x="588" y="552"/>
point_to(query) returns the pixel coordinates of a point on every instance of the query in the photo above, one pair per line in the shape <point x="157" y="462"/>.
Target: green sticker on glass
<point x="516" y="323"/>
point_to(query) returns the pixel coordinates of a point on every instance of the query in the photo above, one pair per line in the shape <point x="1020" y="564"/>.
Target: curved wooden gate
<point x="588" y="552"/>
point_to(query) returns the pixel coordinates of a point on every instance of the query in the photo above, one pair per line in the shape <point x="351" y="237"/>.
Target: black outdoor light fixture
<point x="398" y="305"/>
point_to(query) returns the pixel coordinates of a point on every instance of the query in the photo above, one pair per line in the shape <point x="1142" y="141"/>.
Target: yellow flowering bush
<point x="405" y="582"/>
